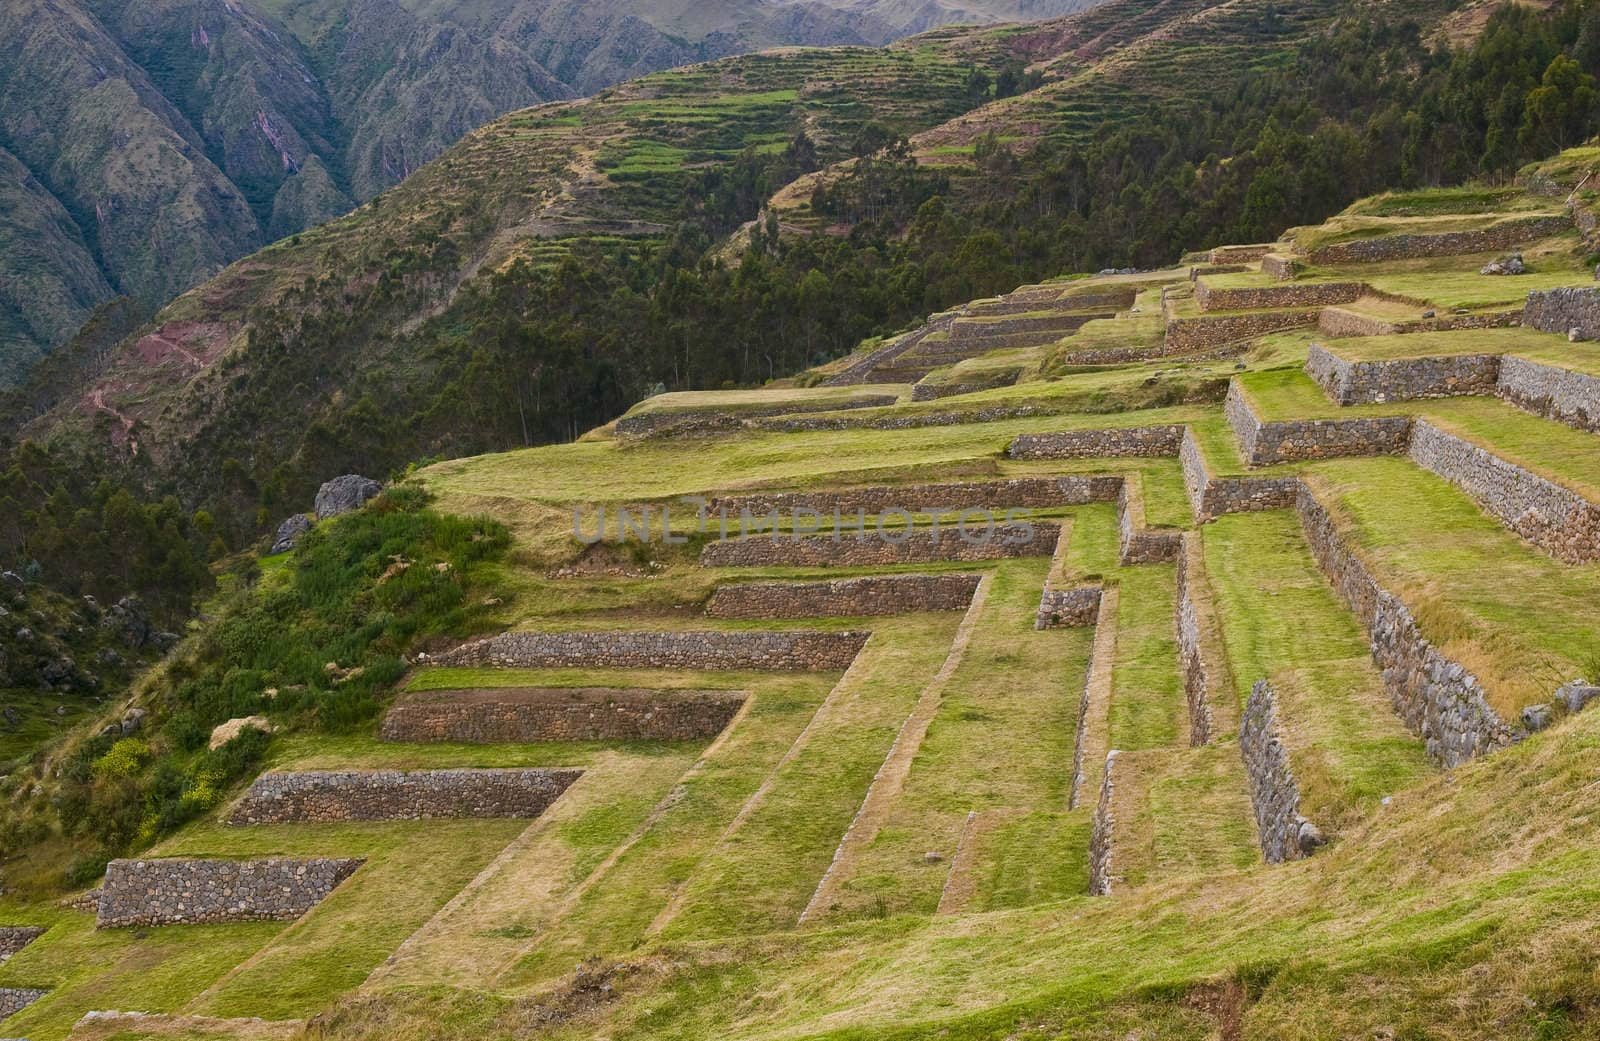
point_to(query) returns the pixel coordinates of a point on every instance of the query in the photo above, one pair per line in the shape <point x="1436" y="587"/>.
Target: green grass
<point x="1520" y="341"/>
<point x="1282" y="622"/>
<point x="1519" y="620"/>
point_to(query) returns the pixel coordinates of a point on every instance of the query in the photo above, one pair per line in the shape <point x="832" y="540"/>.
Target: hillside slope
<point x="182" y="134"/>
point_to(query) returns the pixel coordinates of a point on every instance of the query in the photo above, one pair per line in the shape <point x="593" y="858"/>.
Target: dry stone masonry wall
<point x="520" y="715"/>
<point x="14" y="938"/>
<point x="326" y="796"/>
<point x="1568" y="397"/>
<point x="1193" y="334"/>
<point x="1211" y="496"/>
<point x="982" y="539"/>
<point x="1099" y="444"/>
<point x="188" y="892"/>
<point x="1438" y="699"/>
<point x="1263" y="444"/>
<point x="1563" y="310"/>
<point x="1261" y="298"/>
<point x="925" y="391"/>
<point x="1191" y="658"/>
<point x="1557" y="520"/>
<point x="1340" y="323"/>
<point x="1072" y="608"/>
<point x="844" y="598"/>
<point x="847" y="503"/>
<point x="1360" y="383"/>
<point x="651" y="424"/>
<point x="1101" y="832"/>
<point x="1138" y="544"/>
<point x="15" y="999"/>
<point x="1274" y="794"/>
<point x="787" y="651"/>
<point x="1500" y="236"/>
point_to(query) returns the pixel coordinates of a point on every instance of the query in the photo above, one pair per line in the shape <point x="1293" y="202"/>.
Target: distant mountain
<point x="145" y="144"/>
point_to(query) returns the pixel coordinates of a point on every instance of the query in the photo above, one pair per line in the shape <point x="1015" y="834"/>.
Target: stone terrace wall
<point x="527" y="714"/>
<point x="1338" y="323"/>
<point x="972" y="329"/>
<point x="326" y="796"/>
<point x="15" y="999"/>
<point x="1562" y="310"/>
<point x="1211" y="496"/>
<point x="1568" y="397"/>
<point x="1246" y="254"/>
<point x="1437" y="698"/>
<point x="14" y="938"/>
<point x="1193" y="334"/>
<point x="1559" y="521"/>
<point x="1019" y="493"/>
<point x="1280" y="266"/>
<point x="1260" y="298"/>
<point x="925" y="391"/>
<point x="647" y="424"/>
<point x="1274" y="794"/>
<point x="1138" y="544"/>
<point x="895" y="545"/>
<point x="1406" y="379"/>
<point x="861" y="370"/>
<point x="1098" y="444"/>
<point x="1100" y="833"/>
<point x="169" y="892"/>
<point x="844" y="598"/>
<point x="1068" y="608"/>
<point x="788" y="651"/>
<point x="1503" y="235"/>
<point x="1196" y="680"/>
<point x="1262" y="444"/>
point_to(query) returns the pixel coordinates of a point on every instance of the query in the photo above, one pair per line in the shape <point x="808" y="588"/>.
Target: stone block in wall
<point x="518" y="715"/>
<point x="189" y="892"/>
<point x="980" y="538"/>
<point x="1274" y="794"/>
<point x="1564" y="395"/>
<point x="1558" y="520"/>
<point x="1403" y="379"/>
<point x="1114" y="442"/>
<point x="327" y="796"/>
<point x="845" y="597"/>
<point x="1437" y="698"/>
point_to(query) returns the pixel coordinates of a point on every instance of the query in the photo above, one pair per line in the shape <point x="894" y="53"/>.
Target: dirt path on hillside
<point x="890" y="780"/>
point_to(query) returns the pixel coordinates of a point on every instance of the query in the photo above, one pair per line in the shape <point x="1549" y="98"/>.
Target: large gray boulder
<point x="1575" y="696"/>
<point x="343" y="494"/>
<point x="289" y="533"/>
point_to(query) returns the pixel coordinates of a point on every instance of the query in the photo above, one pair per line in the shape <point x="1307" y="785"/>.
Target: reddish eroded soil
<point x="196" y="344"/>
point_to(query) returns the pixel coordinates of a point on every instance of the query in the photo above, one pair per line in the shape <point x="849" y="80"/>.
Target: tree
<point x="1559" y="111"/>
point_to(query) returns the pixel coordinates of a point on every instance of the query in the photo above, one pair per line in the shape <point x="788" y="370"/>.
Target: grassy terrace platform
<point x="1521" y="621"/>
<point x="1547" y="348"/>
<point x="1281" y="621"/>
<point x="736" y="401"/>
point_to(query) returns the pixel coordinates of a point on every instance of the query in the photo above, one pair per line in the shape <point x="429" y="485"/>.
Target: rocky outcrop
<point x="290" y="532"/>
<point x="1274" y="794"/>
<point x="1438" y="699"/>
<point x="344" y="494"/>
<point x="520" y="715"/>
<point x="1557" y="520"/>
<point x="327" y="796"/>
<point x="844" y="598"/>
<point x="781" y="651"/>
<point x="191" y="892"/>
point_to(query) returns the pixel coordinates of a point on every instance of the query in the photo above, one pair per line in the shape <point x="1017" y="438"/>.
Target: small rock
<point x="931" y="857"/>
<point x="132" y="720"/>
<point x="1537" y="717"/>
<point x="289" y="533"/>
<point x="1310" y="838"/>
<point x="12" y="717"/>
<point x="25" y="634"/>
<point x="1239" y="366"/>
<point x="1511" y="265"/>
<point x="1430" y="314"/>
<point x="11" y="578"/>
<point x="1574" y="335"/>
<point x="1575" y="696"/>
<point x="344" y="494"/>
<point x="165" y="641"/>
<point x="110" y="658"/>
